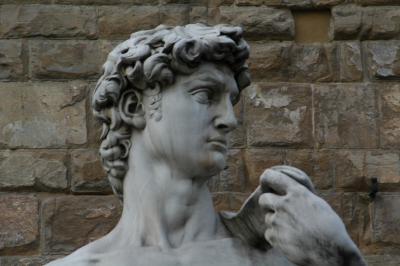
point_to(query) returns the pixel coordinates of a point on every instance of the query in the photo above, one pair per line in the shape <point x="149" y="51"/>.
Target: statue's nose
<point x="225" y="119"/>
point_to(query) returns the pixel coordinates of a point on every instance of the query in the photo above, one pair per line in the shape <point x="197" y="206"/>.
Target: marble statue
<point x="165" y="101"/>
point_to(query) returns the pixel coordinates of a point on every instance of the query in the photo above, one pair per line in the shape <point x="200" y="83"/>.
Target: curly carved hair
<point x="149" y="60"/>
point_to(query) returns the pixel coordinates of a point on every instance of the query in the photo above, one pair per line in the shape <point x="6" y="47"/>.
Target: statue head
<point x="139" y="70"/>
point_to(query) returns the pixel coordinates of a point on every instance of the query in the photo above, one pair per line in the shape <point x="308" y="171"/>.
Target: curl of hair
<point x="150" y="59"/>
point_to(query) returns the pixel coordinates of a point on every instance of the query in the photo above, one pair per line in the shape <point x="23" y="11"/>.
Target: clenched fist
<point x="300" y="224"/>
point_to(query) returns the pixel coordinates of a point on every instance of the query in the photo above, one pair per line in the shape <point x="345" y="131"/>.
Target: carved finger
<point x="276" y="181"/>
<point x="269" y="219"/>
<point x="297" y="175"/>
<point x="269" y="201"/>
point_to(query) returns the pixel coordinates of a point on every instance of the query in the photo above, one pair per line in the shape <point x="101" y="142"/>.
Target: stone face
<point x="313" y="63"/>
<point x="56" y="59"/>
<point x="72" y="221"/>
<point x="383" y="59"/>
<point x="350" y="61"/>
<point x="258" y="22"/>
<point x="371" y="23"/>
<point x="319" y="165"/>
<point x="40" y="169"/>
<point x="41" y="115"/>
<point x="11" y="59"/>
<point x="113" y="22"/>
<point x="269" y="60"/>
<point x="257" y="161"/>
<point x="386" y="218"/>
<point x="26" y="261"/>
<point x="19" y="221"/>
<point x="385" y="166"/>
<point x="87" y="174"/>
<point x="345" y="116"/>
<point x="349" y="169"/>
<point x="47" y="21"/>
<point x="390" y="112"/>
<point x="382" y="260"/>
<point x="174" y="15"/>
<point x="278" y="115"/>
<point x="233" y="178"/>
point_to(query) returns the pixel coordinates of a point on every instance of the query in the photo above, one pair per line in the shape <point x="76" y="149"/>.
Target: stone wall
<point x="325" y="98"/>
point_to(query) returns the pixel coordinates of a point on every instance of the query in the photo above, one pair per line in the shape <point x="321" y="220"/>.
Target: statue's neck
<point x="165" y="208"/>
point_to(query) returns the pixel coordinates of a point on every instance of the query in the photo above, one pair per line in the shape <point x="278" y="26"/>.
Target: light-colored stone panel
<point x="43" y="115"/>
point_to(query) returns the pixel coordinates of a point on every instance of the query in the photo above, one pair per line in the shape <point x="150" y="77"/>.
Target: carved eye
<point x="203" y="95"/>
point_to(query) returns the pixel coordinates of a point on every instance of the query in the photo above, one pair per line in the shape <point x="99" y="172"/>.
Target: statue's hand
<point x="302" y="225"/>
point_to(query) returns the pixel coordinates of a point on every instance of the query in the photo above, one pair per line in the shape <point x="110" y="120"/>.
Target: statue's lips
<point x="220" y="143"/>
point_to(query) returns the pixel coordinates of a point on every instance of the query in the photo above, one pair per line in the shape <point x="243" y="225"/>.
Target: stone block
<point x="383" y="260"/>
<point x="257" y="161"/>
<point x="229" y="201"/>
<point x="48" y="21"/>
<point x="42" y="115"/>
<point x="106" y="2"/>
<point x="175" y="15"/>
<point x="233" y="178"/>
<point x="350" y="170"/>
<point x="198" y="14"/>
<point x="350" y="62"/>
<point x="346" y="22"/>
<point x="87" y="173"/>
<point x="278" y="115"/>
<point x="312" y="26"/>
<point x="295" y="4"/>
<point x="386" y="218"/>
<point x="70" y="222"/>
<point x="19" y="222"/>
<point x="384" y="165"/>
<point x="258" y="22"/>
<point x="345" y="116"/>
<point x="383" y="59"/>
<point x="185" y="2"/>
<point x="269" y="60"/>
<point x="56" y="59"/>
<point x="237" y="138"/>
<point x="319" y="165"/>
<point x="390" y="116"/>
<point x="27" y="169"/>
<point x="313" y="63"/>
<point x="26" y="261"/>
<point x="11" y="59"/>
<point x="367" y="23"/>
<point x="113" y="22"/>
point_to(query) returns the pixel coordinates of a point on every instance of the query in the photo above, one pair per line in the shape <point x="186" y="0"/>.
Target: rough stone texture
<point x="229" y="201"/>
<point x="278" y="115"/>
<point x="107" y="2"/>
<point x="258" y="160"/>
<point x="350" y="62"/>
<point x="237" y="138"/>
<point x="26" y="261"/>
<point x="349" y="169"/>
<point x="11" y="59"/>
<point x="48" y="21"/>
<point x="39" y="169"/>
<point x="298" y="4"/>
<point x="19" y="221"/>
<point x="386" y="218"/>
<point x="383" y="59"/>
<point x="113" y="22"/>
<point x="319" y="165"/>
<point x="56" y="59"/>
<point x="87" y="174"/>
<point x="41" y="115"/>
<point x="270" y="60"/>
<point x="174" y="15"/>
<point x="313" y="63"/>
<point x="337" y="107"/>
<point x="390" y="112"/>
<point x="258" y="23"/>
<point x="72" y="221"/>
<point x="233" y="178"/>
<point x="383" y="260"/>
<point x="385" y="166"/>
<point x="371" y="23"/>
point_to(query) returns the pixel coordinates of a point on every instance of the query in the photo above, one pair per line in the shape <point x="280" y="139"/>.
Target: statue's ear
<point x="131" y="109"/>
